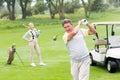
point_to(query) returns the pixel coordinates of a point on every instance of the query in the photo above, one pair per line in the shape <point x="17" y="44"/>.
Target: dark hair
<point x="66" y="21"/>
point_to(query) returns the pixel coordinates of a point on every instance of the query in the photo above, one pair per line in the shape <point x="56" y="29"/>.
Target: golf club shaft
<point x="59" y="33"/>
<point x="24" y="25"/>
<point x="19" y="58"/>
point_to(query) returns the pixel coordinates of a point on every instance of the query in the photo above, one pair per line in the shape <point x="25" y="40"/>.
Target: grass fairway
<point x="54" y="53"/>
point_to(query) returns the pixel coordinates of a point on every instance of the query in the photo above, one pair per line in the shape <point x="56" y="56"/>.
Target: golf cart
<point x="106" y="50"/>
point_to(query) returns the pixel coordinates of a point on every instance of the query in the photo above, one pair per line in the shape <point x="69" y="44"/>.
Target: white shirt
<point x="31" y="34"/>
<point x="77" y="47"/>
<point x="85" y="33"/>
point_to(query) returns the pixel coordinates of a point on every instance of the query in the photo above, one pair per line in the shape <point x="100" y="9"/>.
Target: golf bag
<point x="12" y="51"/>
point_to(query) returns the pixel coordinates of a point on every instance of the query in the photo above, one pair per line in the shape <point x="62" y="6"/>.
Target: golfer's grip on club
<point x="76" y="29"/>
<point x="84" y="21"/>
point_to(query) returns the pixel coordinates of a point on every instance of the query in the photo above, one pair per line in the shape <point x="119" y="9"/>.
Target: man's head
<point x="67" y="24"/>
<point x="30" y="25"/>
<point x="66" y="21"/>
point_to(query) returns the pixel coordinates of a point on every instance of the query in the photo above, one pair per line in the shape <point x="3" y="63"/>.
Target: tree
<point x="98" y="6"/>
<point x="114" y="3"/>
<point x="11" y="9"/>
<point x="52" y="5"/>
<point x="87" y="7"/>
<point x="1" y="2"/>
<point x="69" y="7"/>
<point x="61" y="9"/>
<point x="39" y="7"/>
<point x="23" y="4"/>
<point x="56" y="6"/>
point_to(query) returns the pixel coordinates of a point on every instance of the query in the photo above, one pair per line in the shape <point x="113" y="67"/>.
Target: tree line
<point x="54" y="7"/>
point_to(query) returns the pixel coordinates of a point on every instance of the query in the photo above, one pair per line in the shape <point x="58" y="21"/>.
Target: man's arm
<point x="91" y="30"/>
<point x="74" y="32"/>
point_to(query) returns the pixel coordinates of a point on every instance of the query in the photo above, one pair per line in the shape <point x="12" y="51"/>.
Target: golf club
<point x="84" y="21"/>
<point x="19" y="58"/>
<point x="56" y="36"/>
<point x="13" y="46"/>
<point x="24" y="25"/>
<point x="27" y="26"/>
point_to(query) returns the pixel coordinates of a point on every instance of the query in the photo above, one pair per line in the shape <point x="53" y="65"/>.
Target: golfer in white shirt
<point x="31" y="36"/>
<point x="75" y="42"/>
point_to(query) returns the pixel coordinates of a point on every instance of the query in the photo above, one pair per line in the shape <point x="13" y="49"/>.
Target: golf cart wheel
<point x="92" y="62"/>
<point x="111" y="66"/>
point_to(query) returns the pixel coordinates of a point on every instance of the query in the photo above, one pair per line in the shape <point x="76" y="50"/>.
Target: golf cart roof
<point x="107" y="23"/>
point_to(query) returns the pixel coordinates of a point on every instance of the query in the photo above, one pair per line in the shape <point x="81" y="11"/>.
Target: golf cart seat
<point x="102" y="50"/>
<point x="100" y="42"/>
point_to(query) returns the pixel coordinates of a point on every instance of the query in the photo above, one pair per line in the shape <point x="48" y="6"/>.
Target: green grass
<point x="54" y="53"/>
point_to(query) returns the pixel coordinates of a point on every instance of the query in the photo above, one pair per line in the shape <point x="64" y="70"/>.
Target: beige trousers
<point x="80" y="70"/>
<point x="34" y="46"/>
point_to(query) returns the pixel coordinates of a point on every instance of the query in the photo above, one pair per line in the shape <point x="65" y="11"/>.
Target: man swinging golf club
<point x="78" y="52"/>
